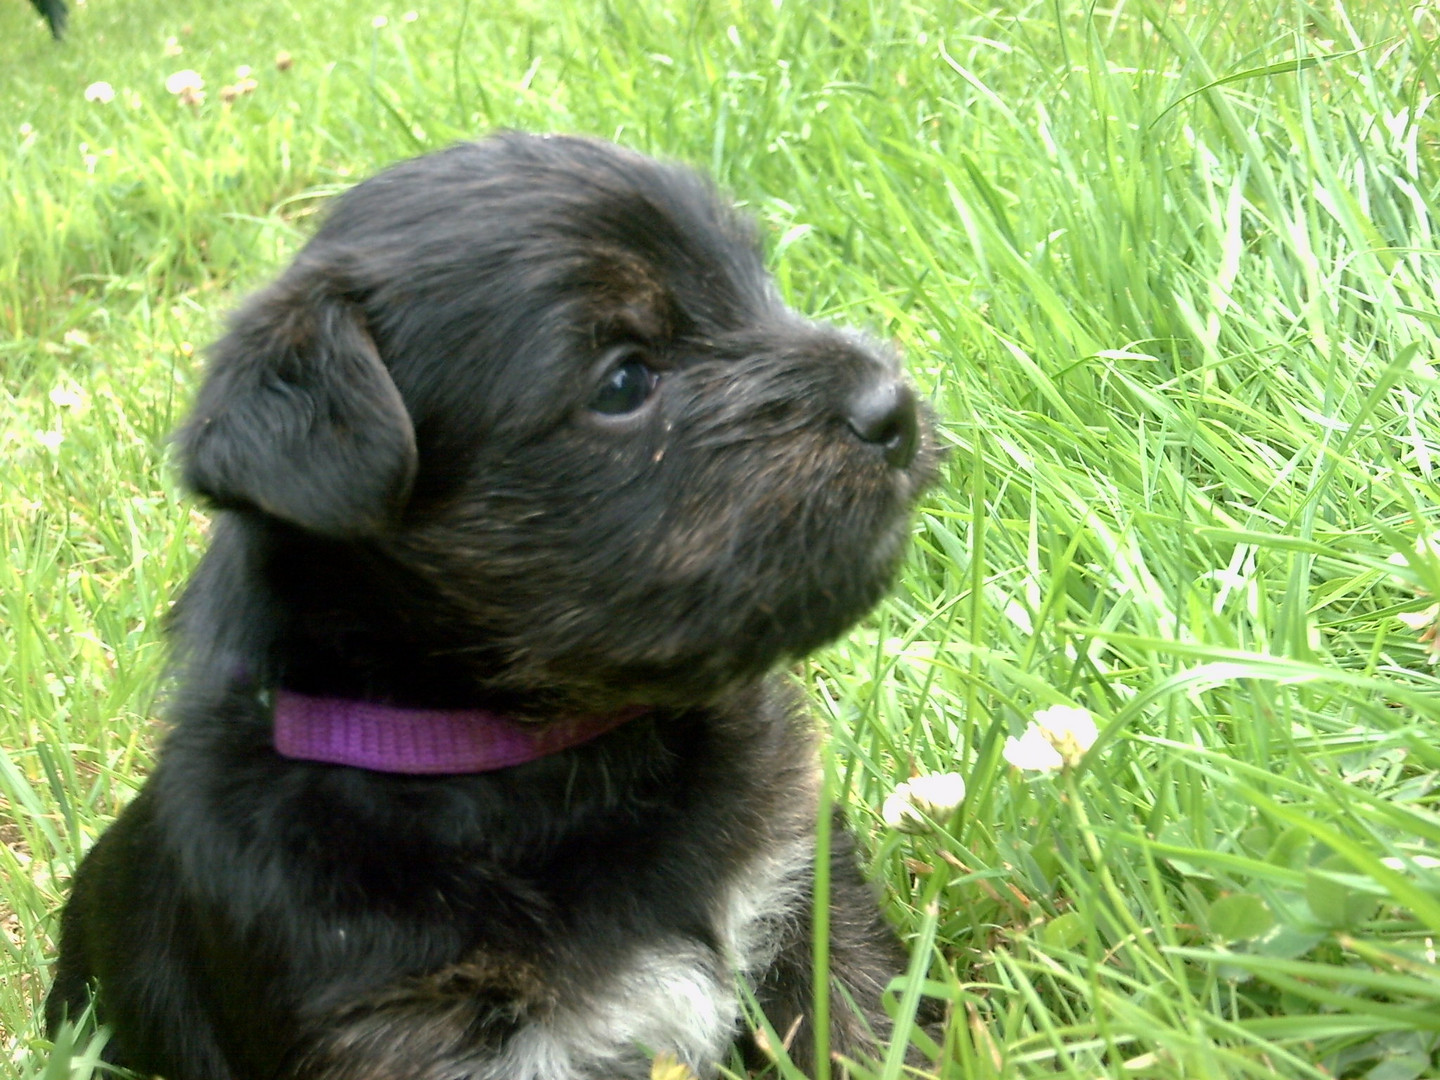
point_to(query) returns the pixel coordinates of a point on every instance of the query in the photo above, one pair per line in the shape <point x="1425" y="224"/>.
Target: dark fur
<point x="419" y="507"/>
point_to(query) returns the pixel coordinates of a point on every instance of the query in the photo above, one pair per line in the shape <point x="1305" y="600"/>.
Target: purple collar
<point x="388" y="738"/>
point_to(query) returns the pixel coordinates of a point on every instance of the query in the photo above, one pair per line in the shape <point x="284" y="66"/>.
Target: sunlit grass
<point x="1170" y="279"/>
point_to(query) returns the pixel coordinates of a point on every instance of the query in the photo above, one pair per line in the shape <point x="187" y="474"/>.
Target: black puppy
<point x="527" y="479"/>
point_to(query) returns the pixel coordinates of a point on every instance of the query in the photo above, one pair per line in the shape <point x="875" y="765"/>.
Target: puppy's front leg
<point x="446" y="1024"/>
<point x="128" y="926"/>
<point x="864" y="956"/>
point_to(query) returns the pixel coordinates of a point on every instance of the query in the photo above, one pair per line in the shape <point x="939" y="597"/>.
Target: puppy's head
<point x="550" y="379"/>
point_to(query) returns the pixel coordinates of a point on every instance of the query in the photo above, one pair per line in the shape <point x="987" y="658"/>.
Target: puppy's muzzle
<point x="883" y="414"/>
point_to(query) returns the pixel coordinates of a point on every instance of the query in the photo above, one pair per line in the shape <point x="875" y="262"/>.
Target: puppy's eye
<point x="625" y="388"/>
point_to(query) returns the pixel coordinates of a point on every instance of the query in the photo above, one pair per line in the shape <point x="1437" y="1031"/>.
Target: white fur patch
<point x="679" y="996"/>
<point x="763" y="904"/>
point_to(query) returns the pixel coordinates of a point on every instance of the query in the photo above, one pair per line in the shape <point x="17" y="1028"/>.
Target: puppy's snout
<point x="883" y="413"/>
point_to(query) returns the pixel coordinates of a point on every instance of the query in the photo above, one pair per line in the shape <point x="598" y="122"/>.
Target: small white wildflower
<point x="188" y="86"/>
<point x="102" y="92"/>
<point x="410" y="16"/>
<point x="51" y="440"/>
<point x="1058" y="737"/>
<point x="1420" y="620"/>
<point x="188" y="79"/>
<point x="243" y="71"/>
<point x="26" y="129"/>
<point x="1425" y="547"/>
<point x="173" y="47"/>
<point x="916" y="804"/>
<point x="1424" y="862"/>
<point x="243" y="86"/>
<point x="379" y="22"/>
<point x="1071" y="730"/>
<point x="67" y="397"/>
<point x="1426" y="624"/>
<point x="1032" y="751"/>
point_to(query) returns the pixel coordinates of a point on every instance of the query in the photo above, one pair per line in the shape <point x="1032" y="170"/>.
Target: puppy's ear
<point x="299" y="417"/>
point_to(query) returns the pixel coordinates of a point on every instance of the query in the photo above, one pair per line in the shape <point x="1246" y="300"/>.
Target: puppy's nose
<point x="883" y="413"/>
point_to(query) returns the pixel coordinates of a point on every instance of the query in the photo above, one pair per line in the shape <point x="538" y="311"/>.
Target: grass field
<point x="1170" y="277"/>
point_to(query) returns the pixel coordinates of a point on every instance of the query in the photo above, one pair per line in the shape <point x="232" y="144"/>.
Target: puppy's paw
<point x="426" y="1028"/>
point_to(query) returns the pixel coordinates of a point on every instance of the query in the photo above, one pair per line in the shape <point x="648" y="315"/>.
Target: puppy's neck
<point x="273" y="607"/>
<point x="388" y="738"/>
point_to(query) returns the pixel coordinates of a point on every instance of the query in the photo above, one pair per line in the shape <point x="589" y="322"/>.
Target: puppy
<point x="526" y="480"/>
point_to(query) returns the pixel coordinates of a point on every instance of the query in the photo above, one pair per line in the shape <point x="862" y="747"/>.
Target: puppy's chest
<point x="676" y="994"/>
<point x="598" y="1019"/>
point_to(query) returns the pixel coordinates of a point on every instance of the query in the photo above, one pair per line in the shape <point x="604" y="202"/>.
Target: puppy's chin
<point x="687" y="639"/>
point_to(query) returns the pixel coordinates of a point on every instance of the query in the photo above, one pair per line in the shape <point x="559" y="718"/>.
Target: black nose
<point x="883" y="413"/>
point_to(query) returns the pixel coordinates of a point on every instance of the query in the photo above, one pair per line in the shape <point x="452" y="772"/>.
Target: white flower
<point x="1071" y="730"/>
<point x="1057" y="737"/>
<point x="51" y="440"/>
<point x="67" y="397"/>
<point x="1420" y="620"/>
<point x="102" y="92"/>
<point x="1032" y="751"/>
<point x="243" y="71"/>
<point x="173" y="47"/>
<point x="379" y="22"/>
<point x="245" y="85"/>
<point x="188" y="86"/>
<point x="917" y="803"/>
<point x="1425" y="547"/>
<point x="410" y="16"/>
<point x="1424" y="862"/>
<point x="181" y="81"/>
<point x="1426" y="624"/>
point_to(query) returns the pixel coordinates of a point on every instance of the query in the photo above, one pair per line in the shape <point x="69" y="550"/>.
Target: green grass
<point x="1170" y="277"/>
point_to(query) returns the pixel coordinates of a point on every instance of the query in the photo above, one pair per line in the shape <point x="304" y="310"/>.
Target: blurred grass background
<point x="1169" y="274"/>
